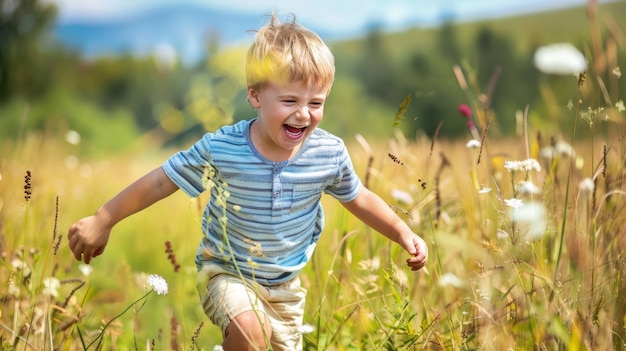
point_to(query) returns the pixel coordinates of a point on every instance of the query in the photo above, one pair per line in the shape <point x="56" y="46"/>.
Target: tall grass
<point x="523" y="255"/>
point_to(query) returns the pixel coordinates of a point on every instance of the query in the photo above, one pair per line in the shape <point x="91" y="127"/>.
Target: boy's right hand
<point x="88" y="237"/>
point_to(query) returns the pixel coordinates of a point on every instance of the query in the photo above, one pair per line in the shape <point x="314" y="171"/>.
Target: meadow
<point x="525" y="230"/>
<point x="526" y="235"/>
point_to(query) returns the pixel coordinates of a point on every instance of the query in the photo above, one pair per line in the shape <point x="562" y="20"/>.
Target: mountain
<point x="183" y="29"/>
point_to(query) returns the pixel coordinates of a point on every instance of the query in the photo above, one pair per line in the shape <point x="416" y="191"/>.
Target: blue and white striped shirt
<point x="273" y="212"/>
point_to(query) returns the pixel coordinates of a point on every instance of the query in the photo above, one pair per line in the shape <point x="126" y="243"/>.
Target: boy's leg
<point x="245" y="333"/>
<point x="235" y="306"/>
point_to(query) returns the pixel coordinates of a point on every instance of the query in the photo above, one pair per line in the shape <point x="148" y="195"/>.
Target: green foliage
<point x="23" y="26"/>
<point x="100" y="131"/>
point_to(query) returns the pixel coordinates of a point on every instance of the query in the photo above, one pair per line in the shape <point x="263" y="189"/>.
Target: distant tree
<point x="23" y="24"/>
<point x="447" y="42"/>
<point x="376" y="70"/>
<point x="498" y="74"/>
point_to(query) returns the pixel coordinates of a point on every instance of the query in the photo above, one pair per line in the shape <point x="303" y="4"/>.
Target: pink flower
<point x="465" y="110"/>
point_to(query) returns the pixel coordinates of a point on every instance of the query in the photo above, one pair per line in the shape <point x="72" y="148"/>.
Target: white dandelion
<point x="560" y="58"/>
<point x="158" y="284"/>
<point x="514" y="203"/>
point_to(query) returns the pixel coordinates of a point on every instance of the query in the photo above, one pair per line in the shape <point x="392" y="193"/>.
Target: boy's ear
<point x="253" y="98"/>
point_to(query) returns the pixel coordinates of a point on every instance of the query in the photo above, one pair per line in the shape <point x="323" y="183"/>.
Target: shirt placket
<point x="277" y="191"/>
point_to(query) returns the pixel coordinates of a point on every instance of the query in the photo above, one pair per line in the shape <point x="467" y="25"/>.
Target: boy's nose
<point x="304" y="109"/>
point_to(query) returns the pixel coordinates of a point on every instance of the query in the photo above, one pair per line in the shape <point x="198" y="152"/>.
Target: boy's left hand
<point x="417" y="247"/>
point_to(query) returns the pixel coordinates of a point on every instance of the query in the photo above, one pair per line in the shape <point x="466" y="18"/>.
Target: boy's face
<point x="287" y="114"/>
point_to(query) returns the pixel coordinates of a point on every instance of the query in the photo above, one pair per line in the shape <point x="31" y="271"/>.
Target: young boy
<point x="266" y="177"/>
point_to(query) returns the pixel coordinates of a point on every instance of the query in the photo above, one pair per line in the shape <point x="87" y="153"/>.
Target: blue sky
<point x="340" y="15"/>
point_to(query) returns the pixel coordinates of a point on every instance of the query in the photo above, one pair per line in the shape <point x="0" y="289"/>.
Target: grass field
<point x="546" y="275"/>
<point x="526" y="235"/>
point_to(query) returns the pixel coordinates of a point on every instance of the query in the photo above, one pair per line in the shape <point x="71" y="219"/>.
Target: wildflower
<point x="533" y="214"/>
<point x="13" y="290"/>
<point x="402" y="196"/>
<point x="252" y="263"/>
<point x="560" y="58"/>
<point x="484" y="191"/>
<point x="514" y="203"/>
<point x="564" y="149"/>
<point x="171" y="256"/>
<point x="158" y="284"/>
<point x="51" y="286"/>
<point x="527" y="187"/>
<point x="450" y="279"/>
<point x="620" y="106"/>
<point x="586" y="185"/>
<point x="473" y="144"/>
<point x="465" y="110"/>
<point x="590" y="115"/>
<point x="617" y="72"/>
<point x="85" y="269"/>
<point x="306" y="329"/>
<point x="27" y="186"/>
<point x="72" y="137"/>
<point x="501" y="234"/>
<point x="218" y="348"/>
<point x="525" y="166"/>
<point x="22" y="266"/>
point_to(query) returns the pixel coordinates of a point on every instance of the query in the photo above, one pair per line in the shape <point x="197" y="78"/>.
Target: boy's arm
<point x="374" y="212"/>
<point x="89" y="236"/>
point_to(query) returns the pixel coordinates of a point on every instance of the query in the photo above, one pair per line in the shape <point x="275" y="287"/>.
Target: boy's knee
<point x="248" y="331"/>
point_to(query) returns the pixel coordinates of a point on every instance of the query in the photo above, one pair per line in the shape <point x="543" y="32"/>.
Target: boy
<point x="266" y="177"/>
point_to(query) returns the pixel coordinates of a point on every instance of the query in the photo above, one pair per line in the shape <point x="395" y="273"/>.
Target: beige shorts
<point x="225" y="296"/>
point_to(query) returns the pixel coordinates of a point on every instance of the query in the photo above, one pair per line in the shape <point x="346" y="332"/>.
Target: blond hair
<point x="289" y="52"/>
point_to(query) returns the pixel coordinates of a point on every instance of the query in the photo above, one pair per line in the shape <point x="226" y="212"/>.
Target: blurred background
<point x="107" y="74"/>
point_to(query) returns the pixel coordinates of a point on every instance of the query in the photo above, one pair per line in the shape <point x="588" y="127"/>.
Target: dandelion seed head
<point x="514" y="203"/>
<point x="560" y="58"/>
<point x="564" y="149"/>
<point x="158" y="284"/>
<point x="586" y="185"/>
<point x="72" y="137"/>
<point x="450" y="279"/>
<point x="473" y="144"/>
<point x="533" y="215"/>
<point x="528" y="188"/>
<point x="51" y="286"/>
<point x="85" y="269"/>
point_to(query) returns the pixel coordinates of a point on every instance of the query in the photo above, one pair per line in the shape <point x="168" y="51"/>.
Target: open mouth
<point x="293" y="131"/>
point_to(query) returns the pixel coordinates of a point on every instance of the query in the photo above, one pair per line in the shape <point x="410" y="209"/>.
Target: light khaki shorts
<point x="225" y="296"/>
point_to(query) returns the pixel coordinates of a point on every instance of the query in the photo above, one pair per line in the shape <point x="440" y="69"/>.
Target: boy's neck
<point x="274" y="154"/>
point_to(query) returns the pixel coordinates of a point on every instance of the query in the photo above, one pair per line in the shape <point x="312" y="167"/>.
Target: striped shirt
<point x="264" y="218"/>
